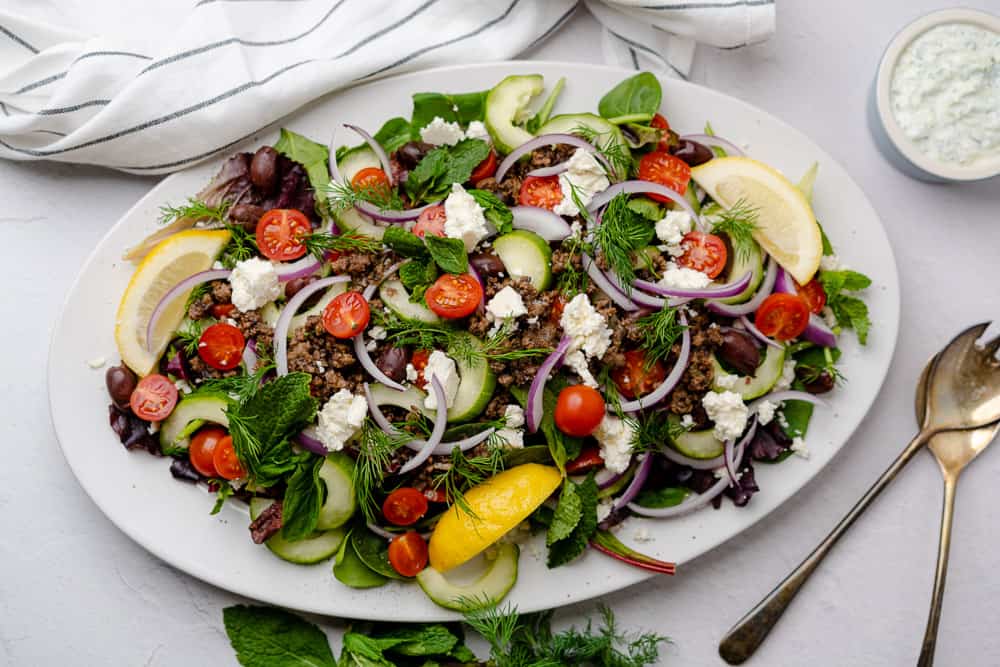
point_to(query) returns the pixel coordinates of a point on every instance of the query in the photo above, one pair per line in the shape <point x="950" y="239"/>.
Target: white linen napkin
<point x="234" y="66"/>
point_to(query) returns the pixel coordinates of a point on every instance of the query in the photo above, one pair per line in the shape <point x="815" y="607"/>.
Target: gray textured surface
<point x="74" y="590"/>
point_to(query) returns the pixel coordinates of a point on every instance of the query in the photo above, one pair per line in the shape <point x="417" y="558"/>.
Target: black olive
<point x="392" y="361"/>
<point x="693" y="153"/>
<point x="247" y="215"/>
<point x="264" y="169"/>
<point x="740" y="351"/>
<point x="121" y="382"/>
<point x="412" y="152"/>
<point x="293" y="286"/>
<point x="816" y="383"/>
<point x="486" y="264"/>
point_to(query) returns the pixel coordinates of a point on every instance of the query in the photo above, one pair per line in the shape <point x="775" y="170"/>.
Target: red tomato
<point x="540" y="191"/>
<point x="667" y="170"/>
<point x="227" y="465"/>
<point x="346" y="315"/>
<point x="814" y="295"/>
<point x="633" y="379"/>
<point x="703" y="252"/>
<point x="588" y="459"/>
<point x="221" y="346"/>
<point x="221" y="310"/>
<point x="280" y="232"/>
<point x="557" y="308"/>
<point x="419" y="362"/>
<point x="372" y="179"/>
<point x="660" y="123"/>
<point x="782" y="316"/>
<point x="431" y="221"/>
<point x="154" y="398"/>
<point x="454" y="295"/>
<point x="202" y="448"/>
<point x="486" y="168"/>
<point x="404" y="506"/>
<point x="408" y="554"/>
<point x="579" y="410"/>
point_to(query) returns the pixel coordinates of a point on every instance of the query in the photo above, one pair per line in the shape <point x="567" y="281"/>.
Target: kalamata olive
<point x="693" y="153"/>
<point x="412" y="152"/>
<point x="121" y="382"/>
<point x="293" y="286"/>
<point x="264" y="169"/>
<point x="392" y="361"/>
<point x="486" y="264"/>
<point x="247" y="215"/>
<point x="739" y="350"/>
<point x="816" y="383"/>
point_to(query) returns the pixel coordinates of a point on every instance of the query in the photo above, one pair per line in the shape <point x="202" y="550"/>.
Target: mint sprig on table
<point x="270" y="637"/>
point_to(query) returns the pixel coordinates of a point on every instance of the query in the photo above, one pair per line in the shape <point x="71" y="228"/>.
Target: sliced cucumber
<point x="349" y="221"/>
<point x="337" y="473"/>
<point x="356" y="159"/>
<point x="313" y="549"/>
<point x="475" y="388"/>
<point x="526" y="253"/>
<point x="490" y="587"/>
<point x="506" y="104"/>
<point x="608" y="134"/>
<point x="743" y="262"/>
<point x="643" y="257"/>
<point x="397" y="299"/>
<point x="410" y="399"/>
<point x="767" y="375"/>
<point x="699" y="444"/>
<point x="189" y="415"/>
<point x="269" y="314"/>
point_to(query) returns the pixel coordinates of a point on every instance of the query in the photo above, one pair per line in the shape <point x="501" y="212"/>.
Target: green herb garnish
<point x="738" y="222"/>
<point x="661" y="329"/>
<point x="321" y="242"/>
<point x="850" y="311"/>
<point x="465" y="472"/>
<point x="194" y="210"/>
<point x="622" y="232"/>
<point x="375" y="450"/>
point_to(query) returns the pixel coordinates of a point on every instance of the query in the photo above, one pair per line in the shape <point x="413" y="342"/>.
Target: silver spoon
<point x="964" y="394"/>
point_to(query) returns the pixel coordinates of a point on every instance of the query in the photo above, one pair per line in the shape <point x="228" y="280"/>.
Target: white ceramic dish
<point x="171" y="519"/>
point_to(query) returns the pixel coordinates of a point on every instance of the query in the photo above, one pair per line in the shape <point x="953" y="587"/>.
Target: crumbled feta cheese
<point x="96" y="362"/>
<point x="183" y="386"/>
<point x="728" y="412"/>
<point x="340" y="419"/>
<point x="377" y="333"/>
<point x="726" y="380"/>
<point x="506" y="304"/>
<point x="477" y="130"/>
<point x="513" y="430"/>
<point x="782" y="421"/>
<point x="829" y="317"/>
<point x="218" y="265"/>
<point x="719" y="472"/>
<point x="799" y="447"/>
<point x="687" y="421"/>
<point x="586" y="176"/>
<point x="576" y="229"/>
<point x="642" y="535"/>
<point x="320" y="367"/>
<point x="441" y="366"/>
<point x="532" y="320"/>
<point x="604" y="509"/>
<point x="464" y="218"/>
<point x="255" y="283"/>
<point x="683" y="277"/>
<point x="765" y="412"/>
<point x="787" y="376"/>
<point x="829" y="263"/>
<point x="671" y="230"/>
<point x="585" y="326"/>
<point x="615" y="437"/>
<point x="411" y="373"/>
<point x="237" y="484"/>
<point x="578" y="362"/>
<point x="371" y="345"/>
<point x="513" y="416"/>
<point x="440" y="132"/>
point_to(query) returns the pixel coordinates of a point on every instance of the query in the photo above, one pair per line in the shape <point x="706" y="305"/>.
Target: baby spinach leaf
<point x="461" y="108"/>
<point x="373" y="552"/>
<point x="635" y="99"/>
<point x="394" y="133"/>
<point x="271" y="637"/>
<point x="351" y="571"/>
<point x="665" y="497"/>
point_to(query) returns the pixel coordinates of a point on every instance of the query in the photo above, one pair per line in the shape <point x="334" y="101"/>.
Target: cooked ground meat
<point x="364" y="269"/>
<point x="330" y="361"/>
<point x="561" y="258"/>
<point x="697" y="379"/>
<point x="508" y="189"/>
<point x="498" y="404"/>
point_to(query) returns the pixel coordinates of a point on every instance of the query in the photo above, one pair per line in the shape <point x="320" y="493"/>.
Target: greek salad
<point x="409" y="350"/>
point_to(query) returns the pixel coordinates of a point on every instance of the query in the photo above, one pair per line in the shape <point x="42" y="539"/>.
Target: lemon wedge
<point x="170" y="262"/>
<point x="786" y="226"/>
<point x="498" y="505"/>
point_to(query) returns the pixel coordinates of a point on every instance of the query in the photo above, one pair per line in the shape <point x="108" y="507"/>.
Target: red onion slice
<point x="361" y="348"/>
<point x="388" y="535"/>
<point x="668" y="384"/>
<point x="440" y="421"/>
<point x="250" y="356"/>
<point x="536" y="393"/>
<point x="735" y="310"/>
<point x="643" y="299"/>
<point x="309" y="442"/>
<point x="332" y="161"/>
<point x="713" y="141"/>
<point x="642" y="187"/>
<point x="444" y="448"/>
<point x="305" y="266"/>
<point x="635" y="486"/>
<point x="377" y="149"/>
<point x="542" y="221"/>
<point x="788" y="395"/>
<point x="729" y="454"/>
<point x="481" y="306"/>
<point x="672" y="454"/>
<point x="757" y="333"/>
<point x="606" y="478"/>
<point x="288" y="312"/>
<point x="376" y="413"/>
<point x="549" y="171"/>
<point x="389" y="215"/>
<point x="177" y="290"/>
<point x="818" y="332"/>
<point x="548" y="140"/>
<point x="784" y="283"/>
<point x="711" y="292"/>
<point x="605" y="285"/>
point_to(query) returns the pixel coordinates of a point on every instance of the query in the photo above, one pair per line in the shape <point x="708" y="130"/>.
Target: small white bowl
<point x="889" y="136"/>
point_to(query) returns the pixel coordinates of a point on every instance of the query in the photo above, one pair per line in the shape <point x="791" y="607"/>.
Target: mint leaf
<point x="425" y="180"/>
<point x="314" y="157"/>
<point x="403" y="242"/>
<point x="567" y="514"/>
<point x="665" y="497"/>
<point x="449" y="254"/>
<point x="495" y="210"/>
<point x="463" y="158"/>
<point x="851" y="312"/>
<point x="569" y="548"/>
<point x="364" y="651"/>
<point x="425" y="641"/>
<point x="303" y="499"/>
<point x="416" y="277"/>
<point x="394" y="133"/>
<point x="270" y="637"/>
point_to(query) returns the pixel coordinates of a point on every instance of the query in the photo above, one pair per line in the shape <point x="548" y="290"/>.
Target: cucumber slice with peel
<point x="175" y="431"/>
<point x="507" y="104"/>
<point x="397" y="299"/>
<point x="525" y="253"/>
<point x="317" y="547"/>
<point x="752" y="260"/>
<point x="476" y="384"/>
<point x="699" y="444"/>
<point x="768" y="373"/>
<point x="339" y="505"/>
<point x="349" y="220"/>
<point x="490" y="587"/>
<point x="410" y="399"/>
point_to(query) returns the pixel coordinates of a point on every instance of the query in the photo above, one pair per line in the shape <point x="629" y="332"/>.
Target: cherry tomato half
<point x="202" y="449"/>
<point x="220" y="310"/>
<point x="419" y="362"/>
<point x="431" y="221"/>
<point x="154" y="398"/>
<point x="221" y="346"/>
<point x="408" y="554"/>
<point x="486" y="168"/>
<point x="224" y="458"/>
<point x="782" y="316"/>
<point x="667" y="170"/>
<point x="454" y="295"/>
<point x="346" y="315"/>
<point x="814" y="295"/>
<point x="540" y="191"/>
<point x="404" y="506"/>
<point x="557" y="308"/>
<point x="579" y="410"/>
<point x="280" y="232"/>
<point x="588" y="459"/>
<point x="703" y="252"/>
<point x="372" y="179"/>
<point x="660" y="123"/>
<point x="633" y="379"/>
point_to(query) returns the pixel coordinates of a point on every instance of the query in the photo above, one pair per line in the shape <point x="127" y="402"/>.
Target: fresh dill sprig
<point x="660" y="330"/>
<point x="465" y="472"/>
<point x="617" y="153"/>
<point x="612" y="397"/>
<point x="241" y="247"/>
<point x="738" y="222"/>
<point x="342" y="196"/>
<point x="242" y="387"/>
<point x="573" y="280"/>
<point x="653" y="430"/>
<point x="320" y="243"/>
<point x="190" y="333"/>
<point x="375" y="450"/>
<point x="621" y="232"/>
<point x="194" y="210"/>
<point x="200" y="290"/>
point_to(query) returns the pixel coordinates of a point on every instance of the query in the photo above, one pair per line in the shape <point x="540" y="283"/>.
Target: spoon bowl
<point x="962" y="390"/>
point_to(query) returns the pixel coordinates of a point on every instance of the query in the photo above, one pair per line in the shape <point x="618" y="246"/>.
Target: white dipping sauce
<point x="945" y="93"/>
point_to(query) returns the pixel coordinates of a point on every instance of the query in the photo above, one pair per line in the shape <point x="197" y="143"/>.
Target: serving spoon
<point x="962" y="391"/>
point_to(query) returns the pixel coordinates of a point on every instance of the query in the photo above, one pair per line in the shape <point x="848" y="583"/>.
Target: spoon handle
<point x="930" y="635"/>
<point x="743" y="638"/>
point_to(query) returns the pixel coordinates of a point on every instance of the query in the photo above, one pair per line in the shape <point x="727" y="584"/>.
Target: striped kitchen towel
<point x="234" y="66"/>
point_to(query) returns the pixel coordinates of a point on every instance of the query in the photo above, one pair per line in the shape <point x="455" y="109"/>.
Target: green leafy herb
<point x="194" y="210"/>
<point x="653" y="430"/>
<point x="668" y="496"/>
<point x="394" y="133"/>
<point x="342" y="196"/>
<point x="738" y="222"/>
<point x="573" y="279"/>
<point x="375" y="450"/>
<point x="403" y="242"/>
<point x="850" y="311"/>
<point x="634" y="99"/>
<point x="461" y="108"/>
<point x="303" y="498"/>
<point x="320" y="243"/>
<point x="465" y="472"/>
<point x="416" y="276"/>
<point x="638" y="135"/>
<point x="199" y="291"/>
<point x="814" y="362"/>
<point x="827" y="246"/>
<point x="495" y="210"/>
<point x="241" y="247"/>
<point x="240" y="386"/>
<point x="545" y="111"/>
<point x="432" y="178"/>
<point x="622" y="232"/>
<point x="568" y="548"/>
<point x="190" y="333"/>
<point x="271" y="637"/>
<point x="661" y="329"/>
<point x="562" y="447"/>
<point x="459" y="344"/>
<point x="311" y="155"/>
<point x="449" y="254"/>
<point x="616" y="152"/>
<point x="224" y="492"/>
<point x="567" y="513"/>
